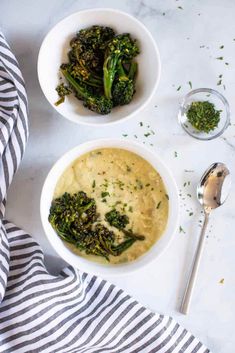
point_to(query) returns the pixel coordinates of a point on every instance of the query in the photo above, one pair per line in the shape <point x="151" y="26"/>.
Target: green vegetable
<point x="124" y="85"/>
<point x="75" y="219"/>
<point x="122" y="47"/>
<point x="62" y="91"/>
<point x="116" y="219"/>
<point x="92" y="69"/>
<point x="203" y="116"/>
<point x="96" y="103"/>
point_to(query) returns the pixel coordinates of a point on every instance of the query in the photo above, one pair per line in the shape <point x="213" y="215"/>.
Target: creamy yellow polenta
<point x="117" y="178"/>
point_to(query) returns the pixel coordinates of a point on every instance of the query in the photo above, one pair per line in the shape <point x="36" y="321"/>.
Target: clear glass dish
<point x="205" y="94"/>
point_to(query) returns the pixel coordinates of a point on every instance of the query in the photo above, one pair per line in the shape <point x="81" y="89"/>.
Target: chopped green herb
<point x="124" y="135"/>
<point x="203" y="116"/>
<point x="158" y="205"/>
<point x="190" y="84"/>
<point x="220" y="58"/>
<point x="147" y="134"/>
<point x="175" y="154"/>
<point x="104" y="194"/>
<point x="147" y="185"/>
<point x="221" y="281"/>
<point x="219" y="82"/>
<point x="135" y="136"/>
<point x="220" y="76"/>
<point x="93" y="184"/>
<point x="191" y="213"/>
<point x="221" y="47"/>
<point x="128" y="168"/>
<point x="139" y="184"/>
<point x="185" y="184"/>
<point x="180" y="7"/>
<point x="181" y="230"/>
<point x="130" y="209"/>
<point x="167" y="196"/>
<point x="227" y="64"/>
<point x="141" y="124"/>
<point x="189" y="195"/>
<point x="178" y="88"/>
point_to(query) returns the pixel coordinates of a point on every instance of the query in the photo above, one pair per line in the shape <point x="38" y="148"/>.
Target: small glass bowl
<point x="220" y="103"/>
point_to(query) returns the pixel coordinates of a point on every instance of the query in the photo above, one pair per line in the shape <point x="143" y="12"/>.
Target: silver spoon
<point x="212" y="191"/>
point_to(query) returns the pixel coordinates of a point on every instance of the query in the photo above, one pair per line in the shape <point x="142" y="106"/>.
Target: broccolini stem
<point x="80" y="90"/>
<point x="133" y="70"/>
<point x="109" y="70"/>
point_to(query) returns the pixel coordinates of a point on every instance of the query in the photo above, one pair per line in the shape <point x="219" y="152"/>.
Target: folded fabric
<point x="72" y="312"/>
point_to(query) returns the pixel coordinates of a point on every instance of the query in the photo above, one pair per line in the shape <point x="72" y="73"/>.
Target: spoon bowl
<point x="214" y="186"/>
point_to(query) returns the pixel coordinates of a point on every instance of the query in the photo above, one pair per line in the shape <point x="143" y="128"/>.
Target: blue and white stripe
<point x="72" y="312"/>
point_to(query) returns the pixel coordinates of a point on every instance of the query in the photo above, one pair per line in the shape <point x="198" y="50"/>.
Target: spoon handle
<point x="192" y="278"/>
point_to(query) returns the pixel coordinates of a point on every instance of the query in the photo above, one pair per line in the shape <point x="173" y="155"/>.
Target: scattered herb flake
<point x="178" y="88"/>
<point x="124" y="135"/>
<point x="141" y="123"/>
<point x="167" y="196"/>
<point x="219" y="82"/>
<point x="175" y="154"/>
<point x="190" y="84"/>
<point x="221" y="47"/>
<point x="220" y="58"/>
<point x="221" y="281"/>
<point x="180" y="7"/>
<point x="181" y="230"/>
<point x="191" y="213"/>
<point x="147" y="134"/>
<point x="93" y="184"/>
<point x="104" y="194"/>
<point x="158" y="205"/>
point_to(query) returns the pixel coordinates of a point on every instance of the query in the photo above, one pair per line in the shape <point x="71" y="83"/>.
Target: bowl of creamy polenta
<point x="109" y="206"/>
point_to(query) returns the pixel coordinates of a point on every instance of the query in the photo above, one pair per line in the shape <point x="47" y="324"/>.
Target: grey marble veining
<point x="189" y="35"/>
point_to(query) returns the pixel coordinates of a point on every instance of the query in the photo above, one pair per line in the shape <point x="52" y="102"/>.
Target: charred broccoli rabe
<point x="116" y="219"/>
<point x="124" y="84"/>
<point x="75" y="219"/>
<point x="95" y="70"/>
<point x="94" y="102"/>
<point x="120" y="47"/>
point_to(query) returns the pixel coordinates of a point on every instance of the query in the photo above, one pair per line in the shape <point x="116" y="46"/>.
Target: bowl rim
<point x="89" y="266"/>
<point x="219" y="96"/>
<point x="153" y="43"/>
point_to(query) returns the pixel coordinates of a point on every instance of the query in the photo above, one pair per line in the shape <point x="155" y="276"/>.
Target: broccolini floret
<point x="121" y="46"/>
<point x="124" y="84"/>
<point x="96" y="103"/>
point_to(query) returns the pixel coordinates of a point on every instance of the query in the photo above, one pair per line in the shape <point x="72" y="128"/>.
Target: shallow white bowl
<point x="53" y="53"/>
<point x="83" y="264"/>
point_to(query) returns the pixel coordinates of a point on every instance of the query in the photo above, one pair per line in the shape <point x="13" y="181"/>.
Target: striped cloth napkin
<point x="73" y="312"/>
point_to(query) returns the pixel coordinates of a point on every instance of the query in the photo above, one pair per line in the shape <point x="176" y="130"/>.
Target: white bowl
<point x="102" y="269"/>
<point x="53" y="53"/>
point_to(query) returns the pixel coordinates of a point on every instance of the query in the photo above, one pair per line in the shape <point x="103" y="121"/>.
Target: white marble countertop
<point x="189" y="35"/>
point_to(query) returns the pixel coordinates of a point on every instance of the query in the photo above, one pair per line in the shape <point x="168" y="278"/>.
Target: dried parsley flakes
<point x="203" y="116"/>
